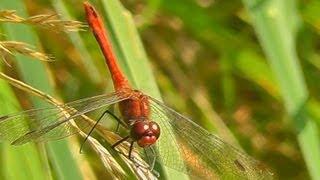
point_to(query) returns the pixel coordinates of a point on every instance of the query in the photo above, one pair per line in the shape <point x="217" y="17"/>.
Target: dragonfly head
<point x="145" y="133"/>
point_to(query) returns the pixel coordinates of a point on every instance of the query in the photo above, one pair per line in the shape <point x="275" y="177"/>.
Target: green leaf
<point x="79" y="44"/>
<point x="25" y="159"/>
<point x="132" y="57"/>
<point x="276" y="23"/>
<point x="34" y="73"/>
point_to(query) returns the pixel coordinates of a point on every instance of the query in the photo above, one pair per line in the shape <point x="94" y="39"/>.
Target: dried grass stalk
<point x="11" y="47"/>
<point x="43" y="20"/>
<point x="142" y="172"/>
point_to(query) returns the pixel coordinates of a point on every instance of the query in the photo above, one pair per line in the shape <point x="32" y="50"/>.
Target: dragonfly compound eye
<point x="145" y="133"/>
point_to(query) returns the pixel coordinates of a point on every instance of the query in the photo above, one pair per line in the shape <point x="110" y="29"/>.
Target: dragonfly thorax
<point x="136" y="107"/>
<point x="145" y="133"/>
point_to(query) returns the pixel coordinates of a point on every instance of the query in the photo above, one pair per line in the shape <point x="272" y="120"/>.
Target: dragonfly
<point x="173" y="139"/>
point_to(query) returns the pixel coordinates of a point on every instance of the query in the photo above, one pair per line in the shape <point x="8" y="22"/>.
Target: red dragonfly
<point x="200" y="153"/>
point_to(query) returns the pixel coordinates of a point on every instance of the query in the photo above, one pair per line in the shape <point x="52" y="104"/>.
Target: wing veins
<point x="215" y="142"/>
<point x="64" y="113"/>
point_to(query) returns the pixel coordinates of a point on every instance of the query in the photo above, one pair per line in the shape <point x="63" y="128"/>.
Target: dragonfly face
<point x="145" y="133"/>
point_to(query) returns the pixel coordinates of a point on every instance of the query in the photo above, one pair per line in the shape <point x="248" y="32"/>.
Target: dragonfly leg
<point x="151" y="157"/>
<point x="153" y="161"/>
<point x="130" y="150"/>
<point x="94" y="126"/>
<point x="117" y="128"/>
<point x="137" y="164"/>
<point x="117" y="119"/>
<point x="129" y="156"/>
<point x="120" y="141"/>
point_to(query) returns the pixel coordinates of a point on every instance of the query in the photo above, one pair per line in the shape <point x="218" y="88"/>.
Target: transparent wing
<point x="54" y="122"/>
<point x="201" y="154"/>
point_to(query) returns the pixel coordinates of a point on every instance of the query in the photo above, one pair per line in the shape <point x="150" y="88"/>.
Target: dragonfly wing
<point x="201" y="154"/>
<point x="54" y="122"/>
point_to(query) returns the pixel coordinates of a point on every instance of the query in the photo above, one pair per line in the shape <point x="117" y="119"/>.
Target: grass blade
<point x="276" y="24"/>
<point x="27" y="156"/>
<point x="79" y="44"/>
<point x="63" y="166"/>
<point x="132" y="57"/>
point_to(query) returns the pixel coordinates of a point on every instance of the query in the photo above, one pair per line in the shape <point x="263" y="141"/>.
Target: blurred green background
<point x="248" y="68"/>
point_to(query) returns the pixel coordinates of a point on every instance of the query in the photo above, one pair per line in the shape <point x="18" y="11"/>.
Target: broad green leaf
<point x="34" y="73"/>
<point x="132" y="57"/>
<point x="276" y="24"/>
<point x="25" y="159"/>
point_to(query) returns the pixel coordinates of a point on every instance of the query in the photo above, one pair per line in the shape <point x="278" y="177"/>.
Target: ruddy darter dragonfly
<point x="200" y="154"/>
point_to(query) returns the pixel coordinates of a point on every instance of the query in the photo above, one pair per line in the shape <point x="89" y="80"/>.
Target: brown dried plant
<point x="43" y="20"/>
<point x="142" y="172"/>
<point x="12" y="47"/>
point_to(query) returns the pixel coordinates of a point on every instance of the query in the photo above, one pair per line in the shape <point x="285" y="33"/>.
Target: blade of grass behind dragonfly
<point x="276" y="24"/>
<point x="261" y="73"/>
<point x="22" y="162"/>
<point x="78" y="42"/>
<point x="149" y="13"/>
<point x="132" y="57"/>
<point x="210" y="31"/>
<point x="34" y="73"/>
<point x="86" y="58"/>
